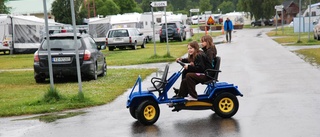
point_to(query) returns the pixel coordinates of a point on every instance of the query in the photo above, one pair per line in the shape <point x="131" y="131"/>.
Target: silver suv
<point x="124" y="37"/>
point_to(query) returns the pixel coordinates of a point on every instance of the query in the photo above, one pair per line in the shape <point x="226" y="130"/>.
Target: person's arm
<point x="199" y="65"/>
<point x="185" y="60"/>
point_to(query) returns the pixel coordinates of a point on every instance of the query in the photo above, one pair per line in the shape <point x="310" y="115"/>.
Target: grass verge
<point x="19" y="95"/>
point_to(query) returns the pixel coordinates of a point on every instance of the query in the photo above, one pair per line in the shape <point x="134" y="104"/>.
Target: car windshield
<point x="61" y="44"/>
<point x="118" y="33"/>
<point x="170" y="25"/>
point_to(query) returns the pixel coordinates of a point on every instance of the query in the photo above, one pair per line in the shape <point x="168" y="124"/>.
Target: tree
<point x="205" y="5"/>
<point x="61" y="10"/>
<point x="265" y="10"/>
<point x="3" y="8"/>
<point x="107" y="7"/>
<point x="126" y="6"/>
<point x="226" y="7"/>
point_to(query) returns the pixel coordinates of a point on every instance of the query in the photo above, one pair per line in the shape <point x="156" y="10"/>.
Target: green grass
<point x="20" y="95"/>
<point x="311" y="55"/>
<point x="289" y="38"/>
<point x="16" y="61"/>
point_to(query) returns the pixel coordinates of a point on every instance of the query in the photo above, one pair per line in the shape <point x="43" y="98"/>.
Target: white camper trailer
<point x="98" y="29"/>
<point x="315" y="10"/>
<point x="143" y="22"/>
<point x="23" y="33"/>
<point x="175" y="17"/>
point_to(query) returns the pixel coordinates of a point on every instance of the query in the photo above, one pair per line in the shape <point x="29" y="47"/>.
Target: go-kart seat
<point x="159" y="84"/>
<point x="212" y="74"/>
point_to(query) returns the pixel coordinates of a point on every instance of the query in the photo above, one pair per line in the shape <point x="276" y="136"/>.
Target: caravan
<point x="143" y="22"/>
<point x="175" y="18"/>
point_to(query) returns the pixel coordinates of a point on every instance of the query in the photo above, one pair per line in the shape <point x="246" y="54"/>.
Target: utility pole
<point x="90" y="7"/>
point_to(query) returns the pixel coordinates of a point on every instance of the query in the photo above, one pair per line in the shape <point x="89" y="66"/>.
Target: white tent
<point x="98" y="28"/>
<point x="24" y="33"/>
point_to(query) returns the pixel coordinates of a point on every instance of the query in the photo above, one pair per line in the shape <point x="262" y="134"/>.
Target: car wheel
<point x="181" y="38"/>
<point x="143" y="44"/>
<point x="95" y="75"/>
<point x="226" y="105"/>
<point x="111" y="48"/>
<point x="104" y="70"/>
<point x="40" y="80"/>
<point x="134" y="47"/>
<point x="148" y="112"/>
<point x="252" y="24"/>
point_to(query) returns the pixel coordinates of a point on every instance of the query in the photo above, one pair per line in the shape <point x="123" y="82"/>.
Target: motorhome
<point x="143" y="22"/>
<point x="315" y="10"/>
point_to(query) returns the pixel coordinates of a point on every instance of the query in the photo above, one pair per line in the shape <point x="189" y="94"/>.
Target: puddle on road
<point x="47" y="118"/>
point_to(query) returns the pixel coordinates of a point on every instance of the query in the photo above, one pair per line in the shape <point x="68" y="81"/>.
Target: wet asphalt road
<point x="281" y="98"/>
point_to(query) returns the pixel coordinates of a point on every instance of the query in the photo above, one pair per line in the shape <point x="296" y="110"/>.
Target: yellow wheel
<point x="226" y="105"/>
<point x="148" y="112"/>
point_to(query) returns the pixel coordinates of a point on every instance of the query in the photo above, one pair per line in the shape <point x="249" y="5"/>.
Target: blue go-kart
<point x="218" y="96"/>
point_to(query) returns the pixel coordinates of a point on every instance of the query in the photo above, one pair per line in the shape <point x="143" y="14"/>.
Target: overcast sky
<point x="28" y="6"/>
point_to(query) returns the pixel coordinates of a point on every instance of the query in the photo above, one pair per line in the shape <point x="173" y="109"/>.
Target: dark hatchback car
<point x="259" y="23"/>
<point x="176" y="31"/>
<point x="63" y="57"/>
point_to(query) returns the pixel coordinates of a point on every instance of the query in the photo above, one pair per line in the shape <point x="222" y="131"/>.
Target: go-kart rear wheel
<point x="133" y="112"/>
<point x="226" y="105"/>
<point x="148" y="112"/>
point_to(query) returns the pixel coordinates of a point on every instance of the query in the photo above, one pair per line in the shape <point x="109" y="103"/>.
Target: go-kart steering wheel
<point x="181" y="63"/>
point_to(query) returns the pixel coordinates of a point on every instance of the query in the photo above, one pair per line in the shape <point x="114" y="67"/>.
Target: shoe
<point x="176" y="90"/>
<point x="190" y="98"/>
<point x="170" y="105"/>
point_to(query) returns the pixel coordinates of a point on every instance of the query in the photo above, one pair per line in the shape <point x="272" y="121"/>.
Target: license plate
<point x="118" y="39"/>
<point x="61" y="59"/>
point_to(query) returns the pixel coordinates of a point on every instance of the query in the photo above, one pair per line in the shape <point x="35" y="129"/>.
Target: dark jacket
<point x="211" y="53"/>
<point x="201" y="63"/>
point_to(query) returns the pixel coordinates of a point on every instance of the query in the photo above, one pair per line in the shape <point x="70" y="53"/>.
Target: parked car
<point x="4" y="47"/>
<point x="259" y="22"/>
<point x="63" y="56"/>
<point x="316" y="30"/>
<point x="176" y="31"/>
<point x="125" y="37"/>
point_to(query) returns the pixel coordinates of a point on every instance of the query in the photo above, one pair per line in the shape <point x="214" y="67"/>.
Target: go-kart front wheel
<point x="226" y="105"/>
<point x="148" y="112"/>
